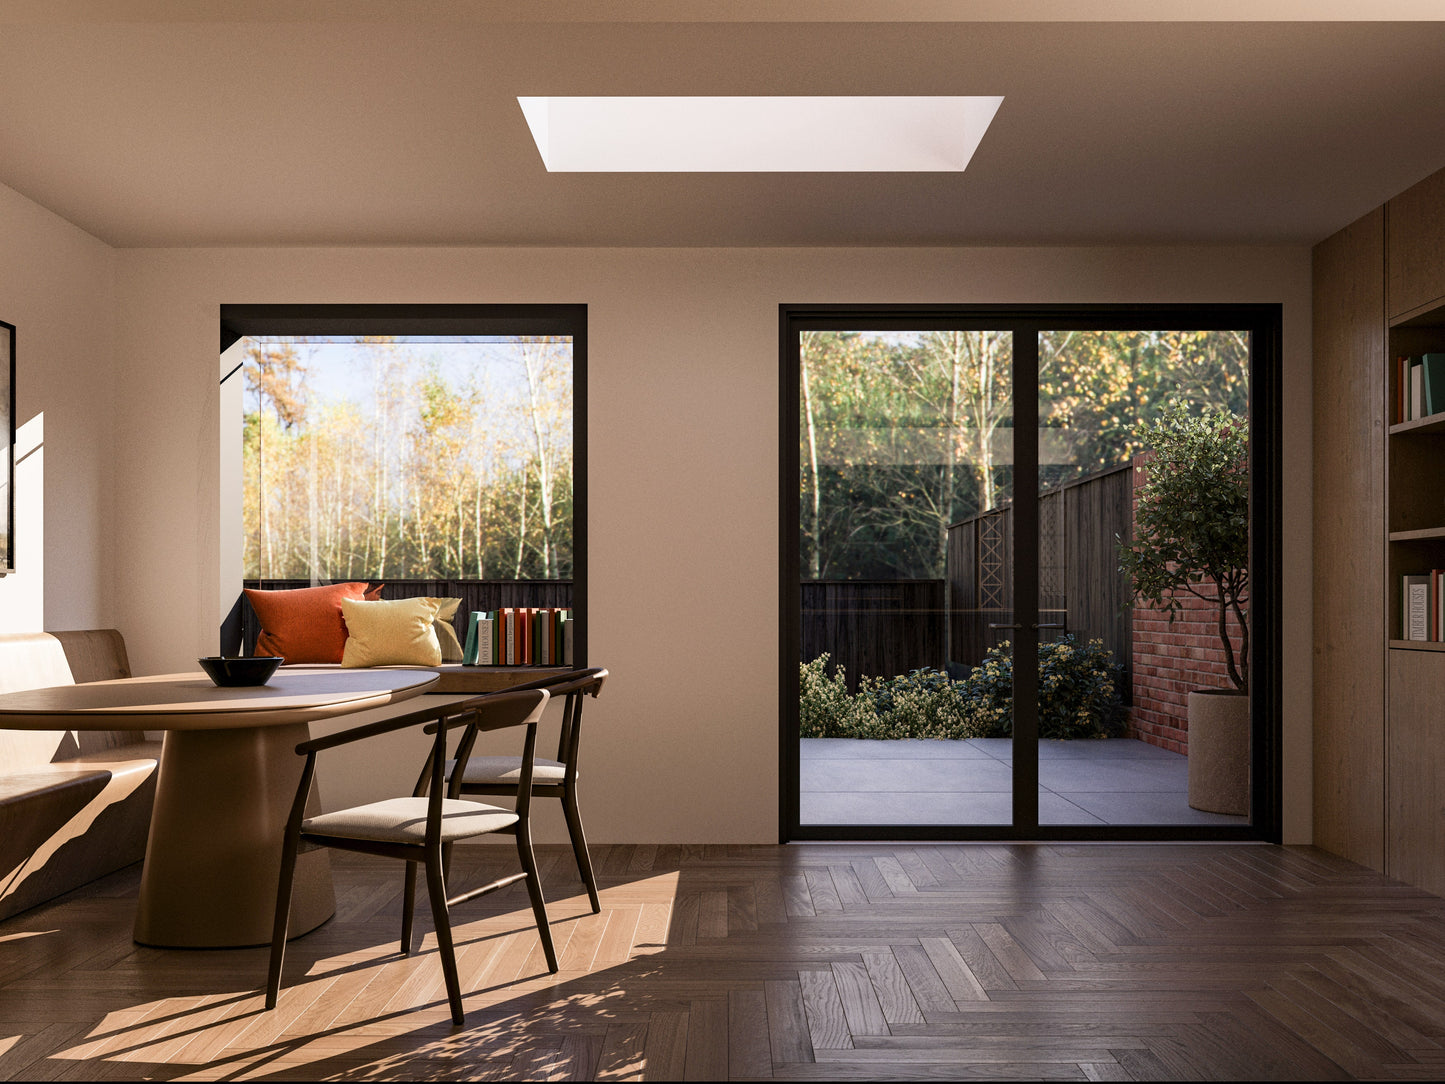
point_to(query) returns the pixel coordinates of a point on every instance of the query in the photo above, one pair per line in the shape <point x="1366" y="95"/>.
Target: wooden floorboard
<point x="806" y="962"/>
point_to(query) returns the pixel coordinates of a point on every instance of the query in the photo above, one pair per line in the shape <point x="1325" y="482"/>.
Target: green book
<point x="1434" y="373"/>
<point x="469" y="653"/>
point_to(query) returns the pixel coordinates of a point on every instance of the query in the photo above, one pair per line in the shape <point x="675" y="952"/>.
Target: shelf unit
<point x="1415" y="480"/>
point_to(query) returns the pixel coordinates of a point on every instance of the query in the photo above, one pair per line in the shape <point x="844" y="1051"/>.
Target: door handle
<point x="1057" y="625"/>
<point x="993" y="626"/>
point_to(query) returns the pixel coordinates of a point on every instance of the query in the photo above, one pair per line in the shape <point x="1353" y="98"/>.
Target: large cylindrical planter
<point x="1219" y="751"/>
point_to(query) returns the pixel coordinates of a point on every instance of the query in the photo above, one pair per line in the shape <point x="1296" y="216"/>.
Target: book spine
<point x="1433" y="367"/>
<point x="1417" y="607"/>
<point x="509" y="656"/>
<point x="567" y="641"/>
<point x="469" y="653"/>
<point x="485" y="641"/>
<point x="1417" y="389"/>
<point x="1402" y="374"/>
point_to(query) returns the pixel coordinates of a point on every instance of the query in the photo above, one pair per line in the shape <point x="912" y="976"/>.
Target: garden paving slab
<point x="1112" y="781"/>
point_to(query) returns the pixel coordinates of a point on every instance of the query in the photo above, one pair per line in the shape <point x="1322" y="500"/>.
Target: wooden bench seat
<point x="74" y="805"/>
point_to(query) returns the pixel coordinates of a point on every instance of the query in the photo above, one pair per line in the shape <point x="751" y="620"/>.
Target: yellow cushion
<point x="394" y="632"/>
<point x="446" y="628"/>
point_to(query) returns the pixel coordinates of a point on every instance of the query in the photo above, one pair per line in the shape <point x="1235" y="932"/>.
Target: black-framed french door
<point x="1009" y="353"/>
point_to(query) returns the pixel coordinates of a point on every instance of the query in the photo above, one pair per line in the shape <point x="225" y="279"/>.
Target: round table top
<point x="192" y="702"/>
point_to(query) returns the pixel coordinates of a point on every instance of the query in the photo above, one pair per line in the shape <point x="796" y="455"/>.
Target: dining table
<point x="227" y="778"/>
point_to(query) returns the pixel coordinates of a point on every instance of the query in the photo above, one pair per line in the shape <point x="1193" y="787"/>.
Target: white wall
<point x="57" y="286"/>
<point x="683" y="458"/>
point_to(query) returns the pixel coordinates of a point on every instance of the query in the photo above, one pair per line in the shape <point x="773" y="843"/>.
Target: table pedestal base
<point x="214" y="852"/>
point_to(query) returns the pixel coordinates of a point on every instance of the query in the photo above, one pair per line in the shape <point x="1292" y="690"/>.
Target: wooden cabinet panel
<point x="1416" y="231"/>
<point x="1416" y="811"/>
<point x="1349" y="514"/>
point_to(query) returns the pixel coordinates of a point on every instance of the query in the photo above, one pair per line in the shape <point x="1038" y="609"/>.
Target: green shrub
<point x="923" y="704"/>
<point x="1079" y="691"/>
<point x="825" y="708"/>
<point x="1078" y="698"/>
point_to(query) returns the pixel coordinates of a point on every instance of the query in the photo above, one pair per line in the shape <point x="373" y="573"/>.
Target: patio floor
<point x="1116" y="781"/>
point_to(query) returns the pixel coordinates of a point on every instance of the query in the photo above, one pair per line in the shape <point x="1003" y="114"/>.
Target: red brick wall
<point x="1171" y="659"/>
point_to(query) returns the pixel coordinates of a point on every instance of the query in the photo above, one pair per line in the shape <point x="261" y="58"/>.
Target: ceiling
<point x="221" y="122"/>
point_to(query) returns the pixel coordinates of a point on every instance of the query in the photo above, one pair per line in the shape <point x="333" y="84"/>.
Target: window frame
<point x="240" y="321"/>
<point x="1264" y="322"/>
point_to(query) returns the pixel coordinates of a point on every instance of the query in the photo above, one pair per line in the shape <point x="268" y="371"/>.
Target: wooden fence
<point x="874" y="627"/>
<point x="1080" y="586"/>
<point x="475" y="595"/>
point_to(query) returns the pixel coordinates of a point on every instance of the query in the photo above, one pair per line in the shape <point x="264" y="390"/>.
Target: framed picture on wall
<point x="7" y="456"/>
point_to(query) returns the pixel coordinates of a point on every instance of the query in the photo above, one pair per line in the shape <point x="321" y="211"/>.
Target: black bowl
<point x="248" y="670"/>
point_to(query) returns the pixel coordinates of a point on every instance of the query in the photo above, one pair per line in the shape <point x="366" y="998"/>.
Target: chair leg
<point x="408" y="907"/>
<point x="579" y="847"/>
<point x="436" y="887"/>
<point x="534" y="890"/>
<point x="282" y="919"/>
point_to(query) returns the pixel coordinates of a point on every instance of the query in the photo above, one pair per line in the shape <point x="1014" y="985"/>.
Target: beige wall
<point x="683" y="362"/>
<point x="57" y="287"/>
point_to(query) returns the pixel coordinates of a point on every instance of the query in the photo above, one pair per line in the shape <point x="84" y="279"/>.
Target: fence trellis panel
<point x="1080" y="585"/>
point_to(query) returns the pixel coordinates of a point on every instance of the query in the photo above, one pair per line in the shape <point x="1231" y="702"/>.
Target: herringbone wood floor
<point x="804" y="962"/>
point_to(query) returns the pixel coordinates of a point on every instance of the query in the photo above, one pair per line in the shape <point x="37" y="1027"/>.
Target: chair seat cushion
<point x="504" y="770"/>
<point x="403" y="820"/>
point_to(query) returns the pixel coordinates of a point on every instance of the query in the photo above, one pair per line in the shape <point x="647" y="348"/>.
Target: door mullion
<point x="1026" y="578"/>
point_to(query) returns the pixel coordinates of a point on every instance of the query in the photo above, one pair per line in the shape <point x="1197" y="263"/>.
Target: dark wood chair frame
<point x="573" y="686"/>
<point x="491" y="711"/>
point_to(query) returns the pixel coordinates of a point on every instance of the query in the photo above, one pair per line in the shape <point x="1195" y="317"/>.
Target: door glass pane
<point x="906" y="474"/>
<point x="1143" y="505"/>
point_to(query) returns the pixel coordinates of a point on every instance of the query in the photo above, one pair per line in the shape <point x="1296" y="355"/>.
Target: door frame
<point x="1264" y="322"/>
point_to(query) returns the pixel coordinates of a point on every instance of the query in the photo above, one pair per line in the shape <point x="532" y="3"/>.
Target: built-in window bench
<point x="74" y="805"/>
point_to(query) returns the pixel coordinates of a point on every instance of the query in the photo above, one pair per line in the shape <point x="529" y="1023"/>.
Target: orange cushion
<point x="303" y="625"/>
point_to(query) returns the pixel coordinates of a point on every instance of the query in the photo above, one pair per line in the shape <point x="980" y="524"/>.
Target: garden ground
<point x="1092" y="782"/>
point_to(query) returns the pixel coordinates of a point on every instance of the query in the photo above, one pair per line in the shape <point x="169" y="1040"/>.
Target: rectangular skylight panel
<point x="758" y="134"/>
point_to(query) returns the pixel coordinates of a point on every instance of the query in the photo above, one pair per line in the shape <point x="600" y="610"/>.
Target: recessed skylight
<point x="758" y="134"/>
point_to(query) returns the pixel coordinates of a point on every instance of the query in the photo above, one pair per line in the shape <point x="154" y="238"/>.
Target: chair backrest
<point x="573" y="688"/>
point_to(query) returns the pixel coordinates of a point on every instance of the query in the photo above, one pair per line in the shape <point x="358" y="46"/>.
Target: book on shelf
<point x="1419" y="386"/>
<point x="485" y="640"/>
<point x="519" y="636"/>
<point x="469" y="651"/>
<point x="1416" y="607"/>
<point x="1432" y="368"/>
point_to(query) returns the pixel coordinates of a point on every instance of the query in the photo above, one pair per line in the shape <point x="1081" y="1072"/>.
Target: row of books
<point x="1423" y="614"/>
<point x="519" y="636"/>
<point x="1419" y="386"/>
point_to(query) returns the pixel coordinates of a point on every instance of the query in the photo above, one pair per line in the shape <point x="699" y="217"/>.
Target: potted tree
<point x="1191" y="538"/>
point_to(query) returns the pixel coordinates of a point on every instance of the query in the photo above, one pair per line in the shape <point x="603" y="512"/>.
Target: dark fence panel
<point x="874" y="627"/>
<point x="475" y="595"/>
<point x="980" y="589"/>
<point x="1098" y="593"/>
<point x="1080" y="586"/>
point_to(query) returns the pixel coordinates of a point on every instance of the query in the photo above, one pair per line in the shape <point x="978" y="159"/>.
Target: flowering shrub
<point x="1079" y="693"/>
<point x="922" y="704"/>
<point x="825" y="708"/>
<point x="1078" y="698"/>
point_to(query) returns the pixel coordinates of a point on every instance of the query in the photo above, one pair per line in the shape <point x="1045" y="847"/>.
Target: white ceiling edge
<point x="758" y="134"/>
<point x="713" y="11"/>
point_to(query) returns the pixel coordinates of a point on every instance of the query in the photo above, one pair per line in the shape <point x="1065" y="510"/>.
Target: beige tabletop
<point x="192" y="702"/>
<point x="228" y="774"/>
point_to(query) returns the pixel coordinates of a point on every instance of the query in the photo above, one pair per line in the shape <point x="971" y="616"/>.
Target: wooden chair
<point x="422" y="828"/>
<point x="551" y="778"/>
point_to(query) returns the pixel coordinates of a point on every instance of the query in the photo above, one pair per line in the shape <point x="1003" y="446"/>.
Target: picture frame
<point x="7" y="456"/>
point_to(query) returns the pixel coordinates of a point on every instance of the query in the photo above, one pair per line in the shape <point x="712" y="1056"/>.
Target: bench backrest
<point x="38" y="660"/>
